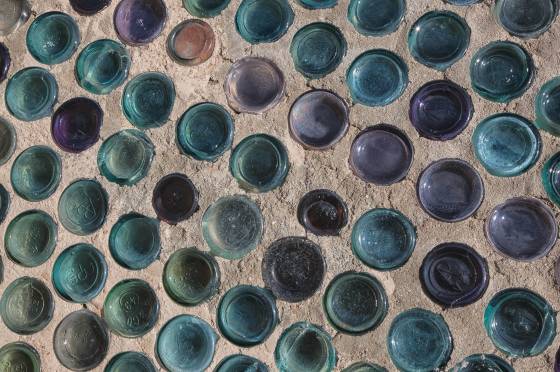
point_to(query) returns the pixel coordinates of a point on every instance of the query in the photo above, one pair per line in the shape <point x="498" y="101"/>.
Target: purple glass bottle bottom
<point x="440" y="110"/>
<point x="138" y="22"/>
<point x="254" y="85"/>
<point x="318" y="119"/>
<point x="450" y="190"/>
<point x="522" y="228"/>
<point x="75" y="125"/>
<point x="381" y="154"/>
<point x="175" y="198"/>
<point x="89" y="7"/>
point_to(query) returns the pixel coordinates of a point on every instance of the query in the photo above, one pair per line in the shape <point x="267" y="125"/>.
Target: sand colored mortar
<point x="309" y="170"/>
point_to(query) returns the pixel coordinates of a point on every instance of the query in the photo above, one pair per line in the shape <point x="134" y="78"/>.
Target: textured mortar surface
<point x="309" y="170"/>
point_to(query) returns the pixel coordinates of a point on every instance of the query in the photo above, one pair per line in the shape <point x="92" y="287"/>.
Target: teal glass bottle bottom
<point x="377" y="77"/>
<point x="318" y="4"/>
<point x="79" y="273"/>
<point x="263" y="21"/>
<point x="186" y="343"/>
<point x="31" y="94"/>
<point x="102" y="66"/>
<point x="550" y="178"/>
<point x="205" y="131"/>
<point x="547" y="107"/>
<point x="4" y="203"/>
<point x="305" y="347"/>
<point x="8" y="140"/>
<point x="83" y="206"/>
<point x="134" y="241"/>
<point x="438" y="39"/>
<point x="125" y="157"/>
<point x="191" y="276"/>
<point x="364" y="367"/>
<point x="232" y="226"/>
<point x="525" y="19"/>
<point x="241" y="363"/>
<point x="130" y="361"/>
<point x="419" y="340"/>
<point x="259" y="163"/>
<point x="81" y="340"/>
<point x="483" y="362"/>
<point x="30" y="238"/>
<point x="355" y="303"/>
<point x="21" y="356"/>
<point x="247" y="315"/>
<point x="53" y="37"/>
<point x="205" y="8"/>
<point x="506" y="145"/>
<point x="26" y="306"/>
<point x="131" y="308"/>
<point x="36" y="173"/>
<point x="376" y="18"/>
<point x="501" y="71"/>
<point x="317" y="49"/>
<point x="462" y="2"/>
<point x="148" y="100"/>
<point x="383" y="239"/>
<point x="529" y="332"/>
